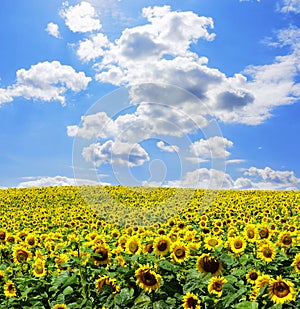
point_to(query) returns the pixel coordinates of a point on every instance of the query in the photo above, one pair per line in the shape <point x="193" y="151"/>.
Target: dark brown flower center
<point x="162" y="245"/>
<point x="22" y="256"/>
<point x="281" y="289"/>
<point x="238" y="244"/>
<point x="210" y="265"/>
<point x="148" y="278"/>
<point x="264" y="233"/>
<point x="102" y="255"/>
<point x="253" y="276"/>
<point x="179" y="253"/>
<point x="250" y="234"/>
<point x="287" y="240"/>
<point x="217" y="286"/>
<point x="267" y="253"/>
<point x="192" y="303"/>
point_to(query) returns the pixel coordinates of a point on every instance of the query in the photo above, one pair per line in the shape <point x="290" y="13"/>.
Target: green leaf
<point x="142" y="301"/>
<point x="246" y="305"/>
<point x="124" y="297"/>
<point x="168" y="266"/>
<point x="68" y="290"/>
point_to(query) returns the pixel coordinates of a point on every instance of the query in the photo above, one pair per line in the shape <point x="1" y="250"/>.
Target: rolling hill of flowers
<point x="57" y="252"/>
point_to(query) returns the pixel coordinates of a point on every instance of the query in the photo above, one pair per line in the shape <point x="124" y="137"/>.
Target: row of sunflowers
<point x="59" y="249"/>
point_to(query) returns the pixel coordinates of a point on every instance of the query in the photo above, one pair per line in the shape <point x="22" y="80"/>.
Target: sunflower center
<point x="264" y="233"/>
<point x="192" y="303"/>
<point x="102" y="254"/>
<point x="11" y="288"/>
<point x="213" y="242"/>
<point x="281" y="289"/>
<point x="238" y="244"/>
<point x="22" y="256"/>
<point x="250" y="234"/>
<point x="39" y="269"/>
<point x="210" y="265"/>
<point x="267" y="253"/>
<point x="180" y="253"/>
<point x="133" y="247"/>
<point x="31" y="242"/>
<point x="287" y="240"/>
<point x="217" y="286"/>
<point x="162" y="245"/>
<point x="149" y="279"/>
<point x="253" y="276"/>
<point x="2" y="235"/>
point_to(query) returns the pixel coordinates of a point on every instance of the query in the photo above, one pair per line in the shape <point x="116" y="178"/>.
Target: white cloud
<point x="288" y="6"/>
<point x="269" y="175"/>
<point x="45" y="181"/>
<point x="155" y="53"/>
<point x="168" y="148"/>
<point x="91" y="49"/>
<point x="97" y="125"/>
<point x="235" y="161"/>
<point x="53" y="29"/>
<point x="81" y="17"/>
<point x="204" y="178"/>
<point x="48" y="81"/>
<point x="213" y="147"/>
<point x="115" y="152"/>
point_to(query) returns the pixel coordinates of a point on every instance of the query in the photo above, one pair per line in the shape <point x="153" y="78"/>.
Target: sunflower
<point x="285" y="239"/>
<point x="237" y="244"/>
<point x="191" y="301"/>
<point x="31" y="240"/>
<point x="180" y="252"/>
<point x="212" y="242"/>
<point x="39" y="268"/>
<point x="252" y="276"/>
<point x="267" y="252"/>
<point x="60" y="306"/>
<point x="263" y="231"/>
<point x="161" y="245"/>
<point x="250" y="233"/>
<point x="101" y="254"/>
<point x="10" y="289"/>
<point x="60" y="260"/>
<point x="147" y="279"/>
<point x="215" y="285"/>
<point x="296" y="263"/>
<point x="2" y="235"/>
<point x="21" y="254"/>
<point x="133" y="245"/>
<point x="262" y="280"/>
<point x="281" y="291"/>
<point x="105" y="280"/>
<point x="208" y="264"/>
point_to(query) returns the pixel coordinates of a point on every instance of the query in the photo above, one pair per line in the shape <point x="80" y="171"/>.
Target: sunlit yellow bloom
<point x="133" y="245"/>
<point x="267" y="252"/>
<point x="208" y="264"/>
<point x="10" y="289"/>
<point x="21" y="254"/>
<point x="161" y="245"/>
<point x="281" y="291"/>
<point x="212" y="242"/>
<point x="60" y="306"/>
<point x="262" y="280"/>
<point x="106" y="280"/>
<point x="252" y="276"/>
<point x="101" y="254"/>
<point x="296" y="263"/>
<point x="238" y="244"/>
<point x="191" y="301"/>
<point x="179" y="252"/>
<point x="215" y="285"/>
<point x="147" y="279"/>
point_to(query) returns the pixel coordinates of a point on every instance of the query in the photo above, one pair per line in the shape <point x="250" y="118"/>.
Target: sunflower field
<point x="58" y="252"/>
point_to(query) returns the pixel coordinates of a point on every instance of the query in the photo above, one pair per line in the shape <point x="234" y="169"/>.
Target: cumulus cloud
<point x="115" y="152"/>
<point x="81" y="17"/>
<point x="204" y="178"/>
<point x="289" y="6"/>
<point x="47" y="81"/>
<point x="53" y="29"/>
<point x="92" y="48"/>
<point x="168" y="148"/>
<point x="155" y="52"/>
<point x="46" y="181"/>
<point x="213" y="147"/>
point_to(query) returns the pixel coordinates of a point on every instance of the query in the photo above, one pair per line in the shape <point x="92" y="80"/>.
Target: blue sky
<point x="188" y="94"/>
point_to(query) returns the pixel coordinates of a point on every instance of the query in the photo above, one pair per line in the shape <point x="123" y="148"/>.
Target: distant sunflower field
<point x="243" y="251"/>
